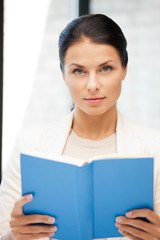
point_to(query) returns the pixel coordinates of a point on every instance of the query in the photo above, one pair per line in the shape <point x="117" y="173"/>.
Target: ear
<point x="124" y="72"/>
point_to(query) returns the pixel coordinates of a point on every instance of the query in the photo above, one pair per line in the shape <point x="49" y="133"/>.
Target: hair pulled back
<point x="99" y="29"/>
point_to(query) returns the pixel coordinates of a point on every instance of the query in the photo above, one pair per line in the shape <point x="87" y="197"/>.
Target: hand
<point x="21" y="225"/>
<point x="137" y="229"/>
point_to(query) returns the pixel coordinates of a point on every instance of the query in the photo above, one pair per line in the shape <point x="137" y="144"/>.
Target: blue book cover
<point x="85" y="200"/>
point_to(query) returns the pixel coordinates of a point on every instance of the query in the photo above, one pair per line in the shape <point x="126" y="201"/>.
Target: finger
<point x="137" y="232"/>
<point x="18" y="210"/>
<point x="30" y="229"/>
<point x="129" y="235"/>
<point x="29" y="219"/>
<point x="145" y="212"/>
<point x="148" y="227"/>
<point x="84" y="163"/>
<point x="33" y="236"/>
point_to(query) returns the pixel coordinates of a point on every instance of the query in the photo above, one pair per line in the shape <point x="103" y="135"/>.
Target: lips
<point x="93" y="98"/>
<point x="96" y="100"/>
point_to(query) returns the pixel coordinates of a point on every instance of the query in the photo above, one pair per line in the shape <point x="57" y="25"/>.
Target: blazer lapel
<point x="127" y="141"/>
<point x="55" y="137"/>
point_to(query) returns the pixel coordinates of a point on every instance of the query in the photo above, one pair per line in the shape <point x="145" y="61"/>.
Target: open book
<point x="85" y="199"/>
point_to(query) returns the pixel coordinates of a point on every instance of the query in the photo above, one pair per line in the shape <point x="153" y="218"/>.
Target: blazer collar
<point x="55" y="137"/>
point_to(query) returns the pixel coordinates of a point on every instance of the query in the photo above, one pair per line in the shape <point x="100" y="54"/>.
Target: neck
<point x="95" y="127"/>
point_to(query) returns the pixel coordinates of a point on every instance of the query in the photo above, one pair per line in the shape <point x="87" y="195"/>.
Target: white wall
<point x="49" y="99"/>
<point x="23" y="32"/>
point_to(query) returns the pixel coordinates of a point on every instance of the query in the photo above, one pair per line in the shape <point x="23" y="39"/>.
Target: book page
<point x="115" y="156"/>
<point x="58" y="158"/>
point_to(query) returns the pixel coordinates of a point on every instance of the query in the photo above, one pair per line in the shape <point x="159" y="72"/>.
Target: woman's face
<point x="93" y="73"/>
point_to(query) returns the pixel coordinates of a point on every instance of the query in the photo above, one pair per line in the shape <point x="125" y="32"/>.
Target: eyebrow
<point x="80" y="66"/>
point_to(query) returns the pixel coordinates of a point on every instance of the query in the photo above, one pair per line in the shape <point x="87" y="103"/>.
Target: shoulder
<point x="149" y="137"/>
<point x="140" y="130"/>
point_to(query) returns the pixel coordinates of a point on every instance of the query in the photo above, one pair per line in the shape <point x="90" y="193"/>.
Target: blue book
<point x="86" y="199"/>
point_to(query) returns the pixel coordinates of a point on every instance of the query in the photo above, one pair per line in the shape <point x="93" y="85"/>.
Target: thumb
<point x="18" y="207"/>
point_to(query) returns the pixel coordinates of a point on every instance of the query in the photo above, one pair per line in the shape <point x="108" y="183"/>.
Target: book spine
<point x="84" y="202"/>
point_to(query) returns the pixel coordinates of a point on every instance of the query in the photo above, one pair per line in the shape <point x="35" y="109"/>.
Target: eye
<point x="78" y="71"/>
<point x="106" y="69"/>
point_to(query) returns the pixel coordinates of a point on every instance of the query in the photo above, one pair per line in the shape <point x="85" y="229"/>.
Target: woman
<point x="93" y="60"/>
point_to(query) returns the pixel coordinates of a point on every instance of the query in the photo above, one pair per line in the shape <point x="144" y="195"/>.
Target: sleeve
<point x="10" y="189"/>
<point x="157" y="185"/>
<point x="7" y="236"/>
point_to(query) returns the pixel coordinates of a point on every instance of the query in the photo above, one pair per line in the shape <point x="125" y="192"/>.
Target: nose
<point x="92" y="83"/>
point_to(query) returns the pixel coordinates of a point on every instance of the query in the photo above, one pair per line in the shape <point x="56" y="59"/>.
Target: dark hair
<point x="97" y="27"/>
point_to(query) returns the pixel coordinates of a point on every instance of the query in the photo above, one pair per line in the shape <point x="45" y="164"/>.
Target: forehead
<point x="86" y="51"/>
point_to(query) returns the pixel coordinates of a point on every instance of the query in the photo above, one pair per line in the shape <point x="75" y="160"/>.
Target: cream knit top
<point x="81" y="148"/>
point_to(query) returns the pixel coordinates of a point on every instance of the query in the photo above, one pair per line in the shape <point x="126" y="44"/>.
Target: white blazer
<point x="131" y="139"/>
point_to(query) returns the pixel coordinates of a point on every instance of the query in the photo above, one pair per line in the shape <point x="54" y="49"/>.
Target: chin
<point x="96" y="112"/>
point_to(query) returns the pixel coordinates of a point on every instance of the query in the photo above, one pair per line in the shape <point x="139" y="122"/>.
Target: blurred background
<point x="33" y="88"/>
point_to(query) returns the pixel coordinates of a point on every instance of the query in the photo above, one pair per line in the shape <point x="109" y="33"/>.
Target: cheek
<point x="74" y="89"/>
<point x="113" y="87"/>
<point x="118" y="91"/>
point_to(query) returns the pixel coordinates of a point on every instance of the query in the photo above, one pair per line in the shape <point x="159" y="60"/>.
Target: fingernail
<point x="119" y="219"/>
<point x="54" y="228"/>
<point x="121" y="231"/>
<point x="51" y="234"/>
<point x="29" y="196"/>
<point x="51" y="220"/>
<point x="118" y="225"/>
<point x="128" y="214"/>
